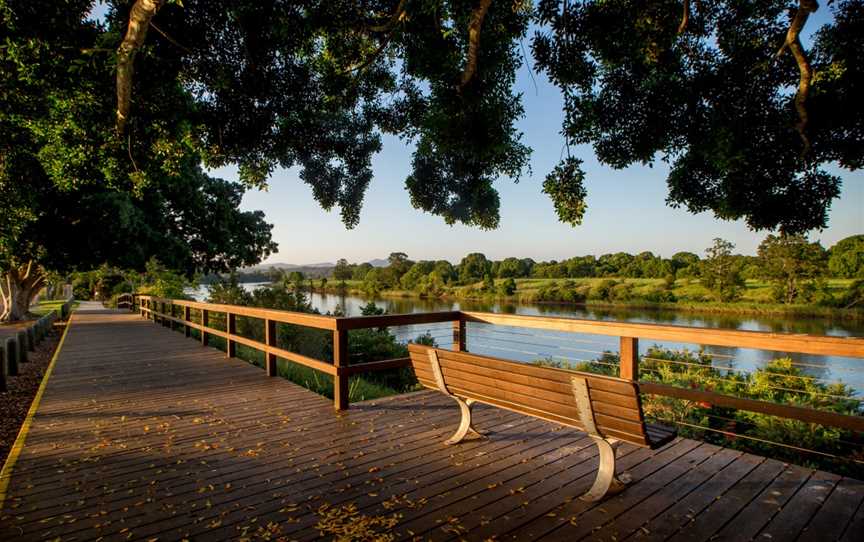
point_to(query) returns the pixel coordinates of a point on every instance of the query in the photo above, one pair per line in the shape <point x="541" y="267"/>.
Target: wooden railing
<point x="161" y="310"/>
<point x="629" y="335"/>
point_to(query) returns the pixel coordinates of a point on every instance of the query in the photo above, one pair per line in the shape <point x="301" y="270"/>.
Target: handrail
<point x="761" y="340"/>
<point x="629" y="334"/>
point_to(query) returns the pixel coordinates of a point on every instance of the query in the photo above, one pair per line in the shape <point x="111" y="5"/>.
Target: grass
<point x="44" y="307"/>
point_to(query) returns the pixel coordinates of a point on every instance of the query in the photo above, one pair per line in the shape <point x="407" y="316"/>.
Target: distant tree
<point x="511" y="267"/>
<point x="846" y="258"/>
<point x="474" y="267"/>
<point x="360" y="272"/>
<point x="720" y="272"/>
<point x="788" y="261"/>
<point x="342" y="270"/>
<point x="415" y="274"/>
<point x="399" y="264"/>
<point x="488" y="283"/>
<point x="508" y="287"/>
<point x="445" y="271"/>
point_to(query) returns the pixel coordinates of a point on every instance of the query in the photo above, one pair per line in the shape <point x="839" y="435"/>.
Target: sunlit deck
<point x="144" y="435"/>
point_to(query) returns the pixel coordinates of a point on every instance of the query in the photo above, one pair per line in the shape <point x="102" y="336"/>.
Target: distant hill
<point x="378" y="262"/>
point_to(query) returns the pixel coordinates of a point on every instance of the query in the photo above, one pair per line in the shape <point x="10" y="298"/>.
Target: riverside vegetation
<point x="788" y="275"/>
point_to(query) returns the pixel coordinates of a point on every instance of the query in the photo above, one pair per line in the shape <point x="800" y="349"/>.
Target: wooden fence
<point x="162" y="310"/>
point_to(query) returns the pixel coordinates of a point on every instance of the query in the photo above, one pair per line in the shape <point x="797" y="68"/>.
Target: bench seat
<point x="609" y="409"/>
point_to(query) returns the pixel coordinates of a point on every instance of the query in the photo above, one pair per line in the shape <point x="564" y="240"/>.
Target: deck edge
<point x="18" y="445"/>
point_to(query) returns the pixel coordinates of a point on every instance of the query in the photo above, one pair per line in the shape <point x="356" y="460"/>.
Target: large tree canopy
<point x="75" y="194"/>
<point x="723" y="90"/>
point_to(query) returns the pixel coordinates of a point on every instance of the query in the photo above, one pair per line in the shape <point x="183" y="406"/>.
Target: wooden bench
<point x="608" y="409"/>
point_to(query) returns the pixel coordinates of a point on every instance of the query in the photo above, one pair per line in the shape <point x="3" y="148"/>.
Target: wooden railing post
<point x="459" y="335"/>
<point x="629" y="354"/>
<point x="270" y="339"/>
<point x="340" y="362"/>
<point x="205" y="321"/>
<point x="187" y="316"/>
<point x="231" y="326"/>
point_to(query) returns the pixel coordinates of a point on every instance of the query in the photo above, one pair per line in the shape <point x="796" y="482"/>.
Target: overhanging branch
<point x="474" y="28"/>
<point x="139" y="20"/>
<point x="793" y="43"/>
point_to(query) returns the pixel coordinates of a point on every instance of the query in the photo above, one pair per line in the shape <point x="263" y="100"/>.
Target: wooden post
<point x="629" y="358"/>
<point x="340" y="362"/>
<point x="205" y="321"/>
<point x="459" y="335"/>
<point x="270" y="339"/>
<point x="231" y="326"/>
<point x="187" y="316"/>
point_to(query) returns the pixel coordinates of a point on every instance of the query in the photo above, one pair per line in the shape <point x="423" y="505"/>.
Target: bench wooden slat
<point x="604" y="383"/>
<point x="543" y="392"/>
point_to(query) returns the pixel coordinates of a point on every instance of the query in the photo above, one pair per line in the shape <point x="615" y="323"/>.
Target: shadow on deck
<point x="143" y="435"/>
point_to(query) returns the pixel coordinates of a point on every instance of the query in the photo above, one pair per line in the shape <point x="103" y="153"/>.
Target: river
<point x="528" y="344"/>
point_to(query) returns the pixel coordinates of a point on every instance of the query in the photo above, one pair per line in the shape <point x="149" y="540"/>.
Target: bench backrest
<point x="543" y="392"/>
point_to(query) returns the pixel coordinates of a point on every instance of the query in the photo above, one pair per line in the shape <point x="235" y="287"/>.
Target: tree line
<point x="791" y="263"/>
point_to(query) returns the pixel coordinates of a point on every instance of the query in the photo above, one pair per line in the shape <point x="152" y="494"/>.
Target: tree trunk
<point x="18" y="287"/>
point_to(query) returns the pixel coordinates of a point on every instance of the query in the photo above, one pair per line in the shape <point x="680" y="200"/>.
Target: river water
<point x="529" y="344"/>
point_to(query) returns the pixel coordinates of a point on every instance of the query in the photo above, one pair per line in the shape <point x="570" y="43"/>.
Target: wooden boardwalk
<point x="145" y="435"/>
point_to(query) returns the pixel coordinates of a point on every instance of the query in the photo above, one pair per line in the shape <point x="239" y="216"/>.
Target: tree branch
<point x="474" y="41"/>
<point x="139" y="20"/>
<point x="395" y="18"/>
<point x="793" y="43"/>
<point x="685" y="17"/>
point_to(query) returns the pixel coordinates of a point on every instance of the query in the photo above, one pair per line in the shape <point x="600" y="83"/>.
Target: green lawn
<point x="44" y="307"/>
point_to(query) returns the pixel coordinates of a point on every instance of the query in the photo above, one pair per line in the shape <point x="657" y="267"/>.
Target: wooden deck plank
<point x="830" y="521"/>
<point x="145" y="434"/>
<point x="795" y="516"/>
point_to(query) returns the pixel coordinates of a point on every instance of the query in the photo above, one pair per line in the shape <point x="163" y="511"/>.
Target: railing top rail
<point x="760" y="340"/>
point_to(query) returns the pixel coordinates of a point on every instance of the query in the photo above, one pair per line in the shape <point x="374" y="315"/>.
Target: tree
<point x="712" y="87"/>
<point x="474" y="267"/>
<point x="511" y="267"/>
<point x="721" y="272"/>
<point x="787" y="261"/>
<point x="342" y="271"/>
<point x="73" y="194"/>
<point x="399" y="264"/>
<point x="846" y="258"/>
<point x="708" y="92"/>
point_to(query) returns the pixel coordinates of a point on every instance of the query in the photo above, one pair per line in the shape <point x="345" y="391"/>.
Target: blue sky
<point x="626" y="208"/>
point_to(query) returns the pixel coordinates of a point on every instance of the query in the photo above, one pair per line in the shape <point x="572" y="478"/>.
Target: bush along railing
<point x="15" y="350"/>
<point x="778" y="405"/>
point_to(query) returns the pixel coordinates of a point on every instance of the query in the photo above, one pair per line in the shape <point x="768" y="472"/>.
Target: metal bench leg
<point x="465" y="427"/>
<point x="606" y="483"/>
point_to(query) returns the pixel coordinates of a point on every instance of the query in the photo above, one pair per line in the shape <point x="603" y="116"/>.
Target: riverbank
<point x="647" y="294"/>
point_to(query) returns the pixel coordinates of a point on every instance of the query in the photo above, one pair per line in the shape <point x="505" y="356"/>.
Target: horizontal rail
<point x="760" y="340"/>
<point x="396" y="363"/>
<point x="809" y="415"/>
<point x="283" y="317"/>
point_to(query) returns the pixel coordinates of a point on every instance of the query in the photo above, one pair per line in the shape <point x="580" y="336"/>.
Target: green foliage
<point x="160" y="281"/>
<point x="474" y="267"/>
<point x="565" y="187"/>
<point x="721" y="272"/>
<point x="787" y="261"/>
<point x="711" y="100"/>
<point x="846" y="258"/>
<point x="779" y="381"/>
